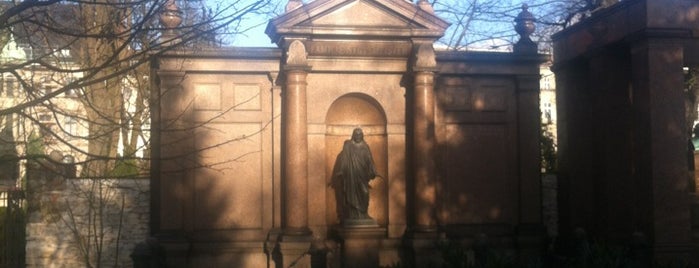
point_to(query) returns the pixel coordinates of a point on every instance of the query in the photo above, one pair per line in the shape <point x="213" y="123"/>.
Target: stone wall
<point x="68" y="223"/>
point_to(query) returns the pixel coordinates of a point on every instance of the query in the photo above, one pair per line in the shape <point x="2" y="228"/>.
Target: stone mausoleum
<point x="625" y="177"/>
<point x="248" y="137"/>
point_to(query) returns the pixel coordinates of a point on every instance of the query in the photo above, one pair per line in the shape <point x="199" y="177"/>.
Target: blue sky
<point x="255" y="35"/>
<point x="254" y="26"/>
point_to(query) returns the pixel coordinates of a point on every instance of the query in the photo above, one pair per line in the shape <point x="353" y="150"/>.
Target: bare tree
<point x="97" y="53"/>
<point x="74" y="77"/>
<point x="488" y="23"/>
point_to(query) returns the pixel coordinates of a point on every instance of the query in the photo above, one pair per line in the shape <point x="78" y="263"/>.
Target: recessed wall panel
<point x="478" y="187"/>
<point x="229" y="184"/>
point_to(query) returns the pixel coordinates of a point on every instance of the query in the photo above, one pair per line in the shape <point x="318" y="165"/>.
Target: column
<point x="296" y="236"/>
<point x="295" y="153"/>
<point x="423" y="226"/>
<point x="423" y="140"/>
<point x="423" y="151"/>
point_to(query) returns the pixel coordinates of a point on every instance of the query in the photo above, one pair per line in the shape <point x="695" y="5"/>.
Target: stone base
<point x="423" y="246"/>
<point x="295" y="252"/>
<point x="530" y="242"/>
<point x="176" y="251"/>
<point x="360" y="245"/>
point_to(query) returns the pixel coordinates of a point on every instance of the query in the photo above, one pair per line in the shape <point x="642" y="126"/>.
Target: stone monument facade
<point x="248" y="139"/>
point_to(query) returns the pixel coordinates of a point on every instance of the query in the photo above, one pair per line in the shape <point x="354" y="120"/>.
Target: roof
<point x="388" y="19"/>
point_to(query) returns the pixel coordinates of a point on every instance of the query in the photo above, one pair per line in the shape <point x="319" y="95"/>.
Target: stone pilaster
<point x="277" y="130"/>
<point x="530" y="229"/>
<point x="657" y="81"/>
<point x="574" y="195"/>
<point x="529" y="121"/>
<point x="173" y="120"/>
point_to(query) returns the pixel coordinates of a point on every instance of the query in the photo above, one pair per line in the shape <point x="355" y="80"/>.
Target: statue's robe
<point x="354" y="168"/>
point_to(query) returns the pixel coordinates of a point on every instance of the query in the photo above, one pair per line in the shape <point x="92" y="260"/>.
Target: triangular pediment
<point x="380" y="18"/>
<point x="359" y="14"/>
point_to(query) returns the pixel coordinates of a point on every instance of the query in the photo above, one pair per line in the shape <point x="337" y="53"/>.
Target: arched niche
<point x="346" y="113"/>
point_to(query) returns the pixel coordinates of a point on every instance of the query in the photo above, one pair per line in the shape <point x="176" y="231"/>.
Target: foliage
<point x="35" y="145"/>
<point x="455" y="255"/>
<point x="691" y="90"/>
<point x="125" y="168"/>
<point x="598" y="255"/>
<point x="548" y="150"/>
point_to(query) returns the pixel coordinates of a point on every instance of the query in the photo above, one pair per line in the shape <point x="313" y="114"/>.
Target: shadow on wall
<point x="214" y="183"/>
<point x="477" y="152"/>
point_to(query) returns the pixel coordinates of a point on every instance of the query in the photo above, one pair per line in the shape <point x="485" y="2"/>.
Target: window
<point x="45" y="118"/>
<point x="70" y="127"/>
<point x="548" y="111"/>
<point x="10" y="88"/>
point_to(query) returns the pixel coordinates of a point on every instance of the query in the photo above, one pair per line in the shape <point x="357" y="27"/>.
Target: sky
<point x="255" y="35"/>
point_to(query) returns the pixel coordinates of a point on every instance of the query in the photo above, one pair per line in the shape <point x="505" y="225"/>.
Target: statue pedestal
<point x="359" y="223"/>
<point x="360" y="244"/>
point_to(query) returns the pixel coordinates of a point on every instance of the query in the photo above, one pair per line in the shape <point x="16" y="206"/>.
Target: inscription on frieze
<point x="361" y="49"/>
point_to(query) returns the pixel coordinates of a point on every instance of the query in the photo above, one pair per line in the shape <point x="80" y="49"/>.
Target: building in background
<point x="548" y="98"/>
<point x="53" y="127"/>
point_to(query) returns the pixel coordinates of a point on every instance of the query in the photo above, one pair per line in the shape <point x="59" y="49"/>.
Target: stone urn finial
<point x="426" y="6"/>
<point x="524" y="24"/>
<point x="293" y="4"/>
<point x="170" y="17"/>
